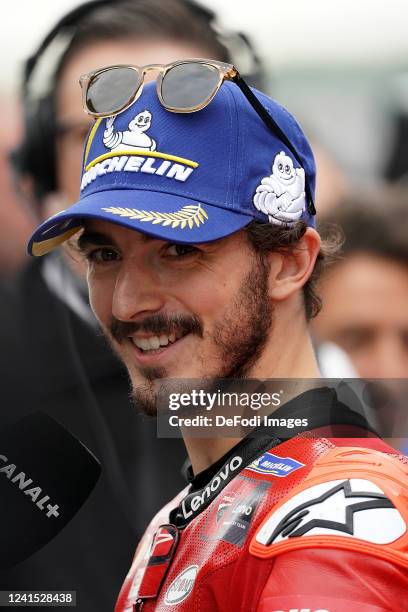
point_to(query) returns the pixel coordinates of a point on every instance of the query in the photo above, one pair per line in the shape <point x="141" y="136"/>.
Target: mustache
<point x="156" y="324"/>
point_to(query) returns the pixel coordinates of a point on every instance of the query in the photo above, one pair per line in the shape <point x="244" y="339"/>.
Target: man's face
<point x="365" y="312"/>
<point x="177" y="311"/>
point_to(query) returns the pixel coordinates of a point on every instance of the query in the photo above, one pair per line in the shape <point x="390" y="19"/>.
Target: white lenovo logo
<point x="198" y="500"/>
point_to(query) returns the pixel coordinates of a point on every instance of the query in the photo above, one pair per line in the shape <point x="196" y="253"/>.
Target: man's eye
<point x="181" y="250"/>
<point x="102" y="255"/>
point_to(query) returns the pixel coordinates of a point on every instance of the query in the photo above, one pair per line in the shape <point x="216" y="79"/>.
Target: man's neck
<point x="299" y="365"/>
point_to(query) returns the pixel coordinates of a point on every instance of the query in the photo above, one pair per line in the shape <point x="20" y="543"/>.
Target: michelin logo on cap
<point x="133" y="138"/>
<point x="133" y="150"/>
<point x="282" y="195"/>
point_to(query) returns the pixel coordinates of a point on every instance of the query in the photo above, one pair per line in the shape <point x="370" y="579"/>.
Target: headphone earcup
<point x="35" y="156"/>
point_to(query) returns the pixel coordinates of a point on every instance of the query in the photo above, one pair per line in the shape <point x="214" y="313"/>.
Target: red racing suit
<point x="311" y="524"/>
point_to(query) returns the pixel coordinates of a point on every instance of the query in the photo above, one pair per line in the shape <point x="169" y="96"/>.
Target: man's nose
<point x="137" y="293"/>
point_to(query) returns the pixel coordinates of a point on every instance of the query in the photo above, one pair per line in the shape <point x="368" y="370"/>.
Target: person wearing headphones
<point x="53" y="355"/>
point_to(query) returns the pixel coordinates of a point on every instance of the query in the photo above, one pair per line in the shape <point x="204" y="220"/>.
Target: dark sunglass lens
<point x="111" y="90"/>
<point x="188" y="85"/>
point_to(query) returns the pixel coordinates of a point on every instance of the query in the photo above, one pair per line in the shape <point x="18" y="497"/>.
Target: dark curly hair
<point x="264" y="238"/>
<point x="373" y="221"/>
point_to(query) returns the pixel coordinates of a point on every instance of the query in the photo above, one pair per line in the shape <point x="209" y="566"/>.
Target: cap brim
<point x="160" y="215"/>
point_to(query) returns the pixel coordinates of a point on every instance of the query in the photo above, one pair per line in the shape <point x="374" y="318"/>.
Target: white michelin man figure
<point x="132" y="138"/>
<point x="281" y="195"/>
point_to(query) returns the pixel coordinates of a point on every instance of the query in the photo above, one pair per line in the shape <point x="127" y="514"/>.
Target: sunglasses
<point x="184" y="86"/>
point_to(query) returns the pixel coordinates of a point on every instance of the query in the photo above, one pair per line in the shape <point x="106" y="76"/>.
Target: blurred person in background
<point x="365" y="296"/>
<point x="332" y="184"/>
<point x="15" y="222"/>
<point x="396" y="162"/>
<point x="53" y="355"/>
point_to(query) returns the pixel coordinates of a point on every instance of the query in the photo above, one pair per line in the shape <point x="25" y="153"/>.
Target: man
<point x="201" y="265"/>
<point x="365" y="293"/>
<point x="53" y="356"/>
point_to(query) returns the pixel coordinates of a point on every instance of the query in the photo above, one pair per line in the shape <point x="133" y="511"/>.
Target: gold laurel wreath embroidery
<point x="189" y="215"/>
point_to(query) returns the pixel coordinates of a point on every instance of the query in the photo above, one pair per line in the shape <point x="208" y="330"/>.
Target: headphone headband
<point x="39" y="134"/>
<point x="70" y="19"/>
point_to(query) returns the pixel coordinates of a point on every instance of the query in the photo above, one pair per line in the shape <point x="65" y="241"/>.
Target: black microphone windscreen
<point x="46" y="474"/>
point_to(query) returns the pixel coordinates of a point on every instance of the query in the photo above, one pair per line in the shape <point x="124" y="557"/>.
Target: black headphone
<point x="36" y="154"/>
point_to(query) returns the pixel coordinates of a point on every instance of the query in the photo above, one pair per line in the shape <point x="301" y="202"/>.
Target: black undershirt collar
<point x="320" y="406"/>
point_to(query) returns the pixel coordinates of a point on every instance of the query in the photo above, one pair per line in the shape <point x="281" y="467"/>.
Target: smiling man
<point x="202" y="258"/>
<point x="210" y="319"/>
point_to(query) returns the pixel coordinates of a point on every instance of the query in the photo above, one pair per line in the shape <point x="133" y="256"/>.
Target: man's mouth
<point x="150" y="344"/>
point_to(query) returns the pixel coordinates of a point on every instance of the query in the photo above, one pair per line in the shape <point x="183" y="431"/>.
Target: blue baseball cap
<point x="188" y="177"/>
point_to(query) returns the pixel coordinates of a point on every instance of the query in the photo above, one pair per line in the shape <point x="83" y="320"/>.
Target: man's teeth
<point x="155" y="342"/>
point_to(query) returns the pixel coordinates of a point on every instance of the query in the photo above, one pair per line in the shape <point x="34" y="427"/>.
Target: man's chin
<point x="146" y="389"/>
<point x="145" y="398"/>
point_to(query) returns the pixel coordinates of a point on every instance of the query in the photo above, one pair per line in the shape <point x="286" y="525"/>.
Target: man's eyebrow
<point x="88" y="238"/>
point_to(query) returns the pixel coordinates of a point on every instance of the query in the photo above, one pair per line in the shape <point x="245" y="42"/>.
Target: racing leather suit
<point x="316" y="523"/>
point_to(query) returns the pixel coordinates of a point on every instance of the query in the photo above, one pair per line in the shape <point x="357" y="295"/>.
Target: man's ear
<point x="291" y="271"/>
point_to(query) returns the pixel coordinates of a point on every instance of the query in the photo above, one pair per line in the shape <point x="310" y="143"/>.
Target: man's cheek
<point x="93" y="302"/>
<point x="100" y="303"/>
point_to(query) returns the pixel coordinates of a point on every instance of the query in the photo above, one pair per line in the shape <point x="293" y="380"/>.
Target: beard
<point x="239" y="338"/>
<point x="242" y="334"/>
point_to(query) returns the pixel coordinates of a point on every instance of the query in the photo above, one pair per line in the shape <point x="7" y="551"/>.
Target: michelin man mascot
<point x="133" y="138"/>
<point x="281" y="195"/>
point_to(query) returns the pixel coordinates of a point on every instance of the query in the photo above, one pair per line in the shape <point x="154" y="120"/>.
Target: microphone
<point x="46" y="474"/>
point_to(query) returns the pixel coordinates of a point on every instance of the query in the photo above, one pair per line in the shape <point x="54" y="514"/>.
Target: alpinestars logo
<point x="352" y="508"/>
